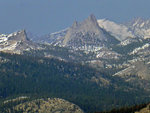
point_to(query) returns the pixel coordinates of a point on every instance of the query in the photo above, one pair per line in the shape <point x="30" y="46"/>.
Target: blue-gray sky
<point x="47" y="16"/>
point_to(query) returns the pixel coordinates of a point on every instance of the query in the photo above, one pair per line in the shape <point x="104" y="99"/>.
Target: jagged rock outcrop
<point x="16" y="42"/>
<point x="88" y="33"/>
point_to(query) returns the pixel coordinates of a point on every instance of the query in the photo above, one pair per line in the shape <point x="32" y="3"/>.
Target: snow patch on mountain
<point x="3" y="38"/>
<point x="120" y="31"/>
<point x="107" y="54"/>
<point x="54" y="38"/>
<point x="140" y="27"/>
<point x="59" y="32"/>
<point x="140" y="48"/>
<point x="128" y="41"/>
<point x="9" y="47"/>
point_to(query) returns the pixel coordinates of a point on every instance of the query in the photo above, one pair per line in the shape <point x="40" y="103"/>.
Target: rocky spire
<point x="75" y="24"/>
<point x="92" y="18"/>
<point x="86" y="32"/>
<point x="22" y="35"/>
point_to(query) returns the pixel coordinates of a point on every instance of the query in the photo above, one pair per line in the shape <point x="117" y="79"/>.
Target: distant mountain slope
<point x="53" y="38"/>
<point x="140" y="27"/>
<point x="120" y="31"/>
<point x="84" y="35"/>
<point x="137" y="28"/>
<point x="138" y="68"/>
<point x="137" y="59"/>
<point x="90" y="28"/>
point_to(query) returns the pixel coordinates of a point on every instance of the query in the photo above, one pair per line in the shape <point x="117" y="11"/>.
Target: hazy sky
<point x="47" y="16"/>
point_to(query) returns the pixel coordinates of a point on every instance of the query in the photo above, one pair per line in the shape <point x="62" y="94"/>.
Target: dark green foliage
<point x="41" y="77"/>
<point x="129" y="109"/>
<point x="130" y="47"/>
<point x="61" y="52"/>
<point x="9" y="105"/>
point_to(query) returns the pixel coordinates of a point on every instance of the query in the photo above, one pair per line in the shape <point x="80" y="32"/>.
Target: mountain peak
<point x="92" y="21"/>
<point x="86" y="33"/>
<point x="16" y="42"/>
<point x="22" y="35"/>
<point x="92" y="17"/>
<point x="23" y="31"/>
<point x="75" y="24"/>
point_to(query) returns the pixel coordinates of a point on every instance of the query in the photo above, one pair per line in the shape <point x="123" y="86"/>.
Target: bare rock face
<point x="54" y="105"/>
<point x="87" y="33"/>
<point x="19" y="36"/>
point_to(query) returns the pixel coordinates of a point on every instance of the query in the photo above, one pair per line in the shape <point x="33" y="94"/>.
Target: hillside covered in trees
<point x="86" y="87"/>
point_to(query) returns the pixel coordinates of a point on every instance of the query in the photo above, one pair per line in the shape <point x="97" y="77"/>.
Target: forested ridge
<point x="127" y="109"/>
<point x="42" y="77"/>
